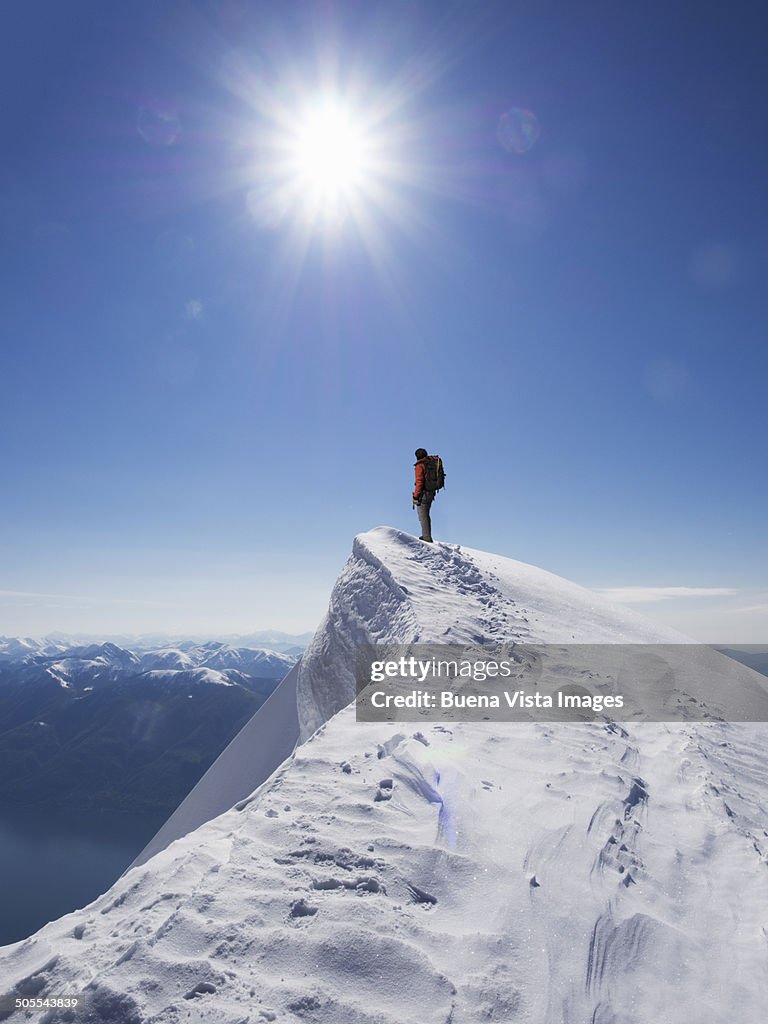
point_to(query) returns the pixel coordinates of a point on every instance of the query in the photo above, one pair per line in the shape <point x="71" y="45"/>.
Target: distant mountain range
<point x="102" y="728"/>
<point x="51" y="643"/>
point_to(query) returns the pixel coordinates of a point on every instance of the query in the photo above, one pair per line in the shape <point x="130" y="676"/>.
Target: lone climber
<point x="430" y="478"/>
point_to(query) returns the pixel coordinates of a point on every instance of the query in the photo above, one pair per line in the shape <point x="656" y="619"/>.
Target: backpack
<point x="434" y="476"/>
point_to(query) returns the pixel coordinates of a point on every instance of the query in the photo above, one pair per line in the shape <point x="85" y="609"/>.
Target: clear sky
<point x="540" y="249"/>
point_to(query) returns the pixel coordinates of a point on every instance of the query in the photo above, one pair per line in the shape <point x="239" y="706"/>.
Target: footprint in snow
<point x="418" y="895"/>
<point x="384" y="792"/>
<point x="202" y="988"/>
<point x="300" y="908"/>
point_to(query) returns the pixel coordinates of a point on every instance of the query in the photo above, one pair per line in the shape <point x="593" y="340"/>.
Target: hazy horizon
<point x="710" y="615"/>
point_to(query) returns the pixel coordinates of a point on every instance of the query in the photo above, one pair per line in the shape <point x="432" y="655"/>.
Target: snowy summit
<point x="442" y="874"/>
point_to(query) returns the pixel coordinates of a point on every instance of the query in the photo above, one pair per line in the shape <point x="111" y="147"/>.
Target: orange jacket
<point x="419" y="467"/>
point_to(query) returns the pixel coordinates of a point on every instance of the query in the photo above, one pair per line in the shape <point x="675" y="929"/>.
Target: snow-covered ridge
<point x="542" y="873"/>
<point x="395" y="589"/>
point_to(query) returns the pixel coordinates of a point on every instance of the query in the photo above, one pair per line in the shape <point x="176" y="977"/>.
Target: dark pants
<point x="427" y="497"/>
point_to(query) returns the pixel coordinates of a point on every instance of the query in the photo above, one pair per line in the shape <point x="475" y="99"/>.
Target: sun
<point x="330" y="155"/>
<point x="324" y="163"/>
<point x="330" y="161"/>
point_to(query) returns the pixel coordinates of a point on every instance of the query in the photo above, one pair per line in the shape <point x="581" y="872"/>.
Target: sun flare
<point x="325" y="163"/>
<point x="329" y="154"/>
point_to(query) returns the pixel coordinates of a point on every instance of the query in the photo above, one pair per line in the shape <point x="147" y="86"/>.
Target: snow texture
<point x="585" y="873"/>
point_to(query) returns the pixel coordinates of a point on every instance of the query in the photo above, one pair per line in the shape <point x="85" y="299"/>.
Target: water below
<point x="49" y="866"/>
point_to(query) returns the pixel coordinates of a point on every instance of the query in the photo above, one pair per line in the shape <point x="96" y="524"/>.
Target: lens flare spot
<point x="194" y="310"/>
<point x="667" y="380"/>
<point x="714" y="266"/>
<point x="158" y="124"/>
<point x="518" y="130"/>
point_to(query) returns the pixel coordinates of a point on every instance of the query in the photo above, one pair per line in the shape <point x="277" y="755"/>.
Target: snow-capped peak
<point x="396" y="590"/>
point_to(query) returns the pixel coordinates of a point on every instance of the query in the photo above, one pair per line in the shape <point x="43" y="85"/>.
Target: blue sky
<point x="202" y="404"/>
